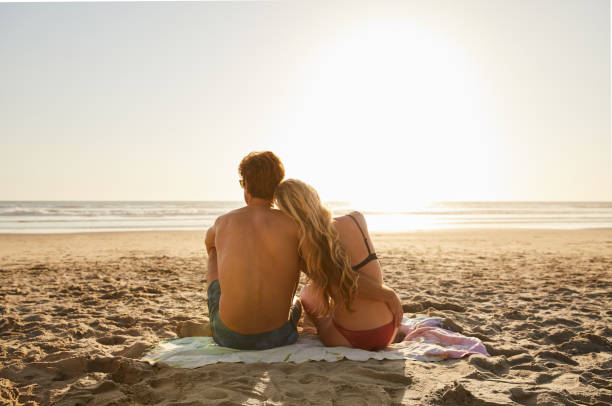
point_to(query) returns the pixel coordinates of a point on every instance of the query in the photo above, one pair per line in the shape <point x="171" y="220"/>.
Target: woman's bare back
<point x="368" y="314"/>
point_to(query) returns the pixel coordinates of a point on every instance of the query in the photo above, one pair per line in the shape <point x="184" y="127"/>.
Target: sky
<point x="388" y="103"/>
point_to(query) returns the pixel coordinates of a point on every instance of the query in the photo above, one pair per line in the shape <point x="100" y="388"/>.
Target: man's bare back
<point x="256" y="250"/>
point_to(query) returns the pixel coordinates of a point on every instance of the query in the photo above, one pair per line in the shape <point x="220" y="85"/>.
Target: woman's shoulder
<point x="352" y="217"/>
<point x="357" y="214"/>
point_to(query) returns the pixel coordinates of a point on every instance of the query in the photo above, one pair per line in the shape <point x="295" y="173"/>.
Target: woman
<point x="334" y="253"/>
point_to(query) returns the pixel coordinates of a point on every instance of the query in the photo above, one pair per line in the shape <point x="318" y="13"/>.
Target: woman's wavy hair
<point x="327" y="263"/>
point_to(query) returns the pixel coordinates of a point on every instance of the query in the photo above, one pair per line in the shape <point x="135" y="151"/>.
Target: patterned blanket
<point x="425" y="340"/>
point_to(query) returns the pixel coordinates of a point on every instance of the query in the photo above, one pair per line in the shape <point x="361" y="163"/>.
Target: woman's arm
<point x="370" y="289"/>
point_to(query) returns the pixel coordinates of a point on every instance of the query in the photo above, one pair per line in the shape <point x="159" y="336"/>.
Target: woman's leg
<point x="325" y="327"/>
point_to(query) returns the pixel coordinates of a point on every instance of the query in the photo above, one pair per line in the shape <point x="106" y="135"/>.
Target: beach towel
<point x="425" y="340"/>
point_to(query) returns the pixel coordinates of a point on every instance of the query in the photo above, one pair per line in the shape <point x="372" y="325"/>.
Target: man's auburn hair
<point x="261" y="173"/>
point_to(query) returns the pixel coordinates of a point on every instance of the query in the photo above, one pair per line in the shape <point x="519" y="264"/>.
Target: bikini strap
<point x="365" y="239"/>
<point x="363" y="263"/>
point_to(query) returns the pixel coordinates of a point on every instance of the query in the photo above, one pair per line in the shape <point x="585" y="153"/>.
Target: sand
<point x="79" y="310"/>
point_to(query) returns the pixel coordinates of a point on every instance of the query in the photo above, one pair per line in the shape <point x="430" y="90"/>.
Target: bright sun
<point x="391" y="118"/>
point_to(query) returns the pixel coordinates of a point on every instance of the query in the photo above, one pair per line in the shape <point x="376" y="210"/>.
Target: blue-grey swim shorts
<point x="284" y="335"/>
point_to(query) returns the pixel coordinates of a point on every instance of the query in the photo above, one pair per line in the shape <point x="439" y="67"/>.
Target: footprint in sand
<point x="587" y="343"/>
<point x="313" y="379"/>
<point x="133" y="351"/>
<point x="515" y="315"/>
<point x="544" y="378"/>
<point x="360" y="394"/>
<point x="384" y="376"/>
<point x="497" y="365"/>
<point x="556" y="356"/>
<point x="64" y="369"/>
<point x="215" y="394"/>
<point x="111" y="340"/>
<point x="520" y="359"/>
<point x="454" y="394"/>
<point x="191" y="328"/>
<point x="105" y="386"/>
<point x="588" y="378"/>
<point x="560" y="336"/>
<point x="130" y="371"/>
<point x="521" y="396"/>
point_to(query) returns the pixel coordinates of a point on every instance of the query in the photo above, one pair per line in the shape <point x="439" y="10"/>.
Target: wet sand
<point x="79" y="310"/>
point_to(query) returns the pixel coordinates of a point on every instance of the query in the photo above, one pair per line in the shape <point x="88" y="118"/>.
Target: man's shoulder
<point x="223" y="219"/>
<point x="282" y="216"/>
<point x="278" y="217"/>
<point x="231" y="214"/>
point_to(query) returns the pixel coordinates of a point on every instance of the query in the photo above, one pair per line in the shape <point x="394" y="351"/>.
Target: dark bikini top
<point x="371" y="255"/>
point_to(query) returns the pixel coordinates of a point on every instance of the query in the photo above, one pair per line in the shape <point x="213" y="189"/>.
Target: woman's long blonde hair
<point x="327" y="263"/>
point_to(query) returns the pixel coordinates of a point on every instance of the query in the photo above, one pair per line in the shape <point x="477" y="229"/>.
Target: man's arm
<point x="370" y="289"/>
<point x="210" y="238"/>
<point x="213" y="272"/>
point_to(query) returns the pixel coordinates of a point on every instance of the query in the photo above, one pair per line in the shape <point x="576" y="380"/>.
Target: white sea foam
<point x="52" y="217"/>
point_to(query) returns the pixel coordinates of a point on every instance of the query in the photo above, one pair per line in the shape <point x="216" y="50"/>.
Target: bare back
<point x="257" y="260"/>
<point x="367" y="313"/>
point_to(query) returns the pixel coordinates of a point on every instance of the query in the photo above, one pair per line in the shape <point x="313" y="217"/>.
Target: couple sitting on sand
<point x="256" y="253"/>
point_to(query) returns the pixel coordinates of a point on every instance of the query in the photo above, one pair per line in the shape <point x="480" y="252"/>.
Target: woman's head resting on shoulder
<point x="327" y="263"/>
<point x="301" y="201"/>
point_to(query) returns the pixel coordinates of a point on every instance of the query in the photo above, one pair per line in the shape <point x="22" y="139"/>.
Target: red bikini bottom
<point x="374" y="339"/>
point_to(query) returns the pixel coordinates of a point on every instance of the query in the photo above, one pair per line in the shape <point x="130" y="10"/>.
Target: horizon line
<point x="327" y="201"/>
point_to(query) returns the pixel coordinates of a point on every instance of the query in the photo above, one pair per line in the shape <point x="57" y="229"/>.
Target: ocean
<point x="91" y="216"/>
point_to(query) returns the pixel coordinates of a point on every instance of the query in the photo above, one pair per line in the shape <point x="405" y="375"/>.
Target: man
<point x="253" y="259"/>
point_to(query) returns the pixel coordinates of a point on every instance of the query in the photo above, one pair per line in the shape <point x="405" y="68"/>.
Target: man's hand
<point x="394" y="304"/>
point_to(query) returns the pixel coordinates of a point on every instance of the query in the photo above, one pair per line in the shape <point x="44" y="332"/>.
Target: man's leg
<point x="214" y="290"/>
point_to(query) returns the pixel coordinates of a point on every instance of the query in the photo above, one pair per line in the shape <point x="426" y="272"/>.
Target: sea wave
<point x="27" y="217"/>
<point x="107" y="212"/>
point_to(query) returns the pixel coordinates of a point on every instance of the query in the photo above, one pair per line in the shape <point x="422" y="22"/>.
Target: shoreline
<point x="381" y="233"/>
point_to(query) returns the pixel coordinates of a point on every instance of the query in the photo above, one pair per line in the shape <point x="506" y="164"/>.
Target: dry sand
<point x="77" y="311"/>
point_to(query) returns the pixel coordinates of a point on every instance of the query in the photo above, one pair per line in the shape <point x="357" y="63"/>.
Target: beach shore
<point x="78" y="311"/>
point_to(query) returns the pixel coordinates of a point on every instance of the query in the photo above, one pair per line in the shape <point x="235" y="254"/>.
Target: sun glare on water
<point x="399" y="204"/>
<point x="394" y="214"/>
